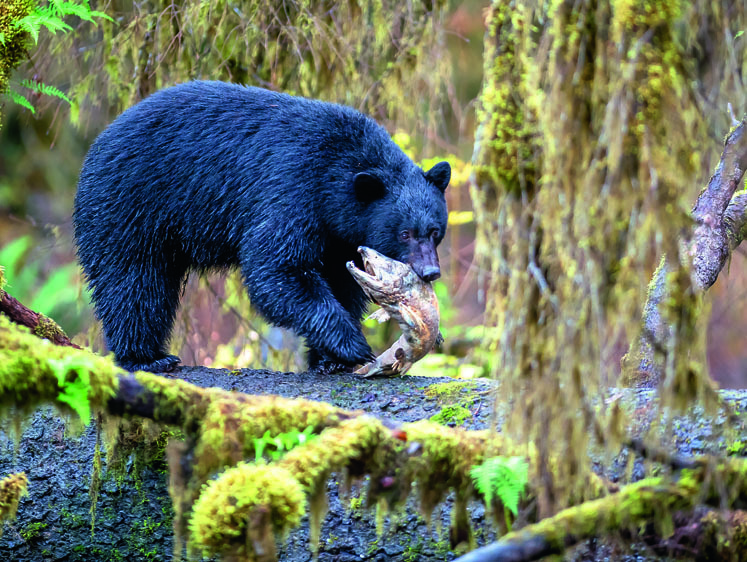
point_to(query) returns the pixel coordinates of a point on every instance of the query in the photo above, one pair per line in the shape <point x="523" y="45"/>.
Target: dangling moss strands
<point x="12" y="488"/>
<point x="591" y="149"/>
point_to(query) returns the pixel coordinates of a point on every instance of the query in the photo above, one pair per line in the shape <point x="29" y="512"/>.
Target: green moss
<point x="446" y="459"/>
<point x="356" y="503"/>
<point x="47" y="328"/>
<point x="13" y="47"/>
<point x="228" y="424"/>
<point x="455" y="414"/>
<point x="32" y="530"/>
<point x="29" y="367"/>
<point x="448" y="391"/>
<point x="246" y="501"/>
<point x="736" y="448"/>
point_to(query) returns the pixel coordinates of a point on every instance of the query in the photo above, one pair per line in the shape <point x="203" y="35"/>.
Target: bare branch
<point x="710" y="247"/>
<point x="720" y="217"/>
<point x="40" y="325"/>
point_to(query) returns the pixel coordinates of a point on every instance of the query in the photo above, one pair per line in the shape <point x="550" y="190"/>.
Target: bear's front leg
<point x="302" y="300"/>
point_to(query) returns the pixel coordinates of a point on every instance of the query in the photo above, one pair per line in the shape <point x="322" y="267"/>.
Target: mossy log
<point x="219" y="428"/>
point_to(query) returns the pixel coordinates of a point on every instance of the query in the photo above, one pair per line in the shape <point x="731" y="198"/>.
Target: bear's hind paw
<point x="163" y="365"/>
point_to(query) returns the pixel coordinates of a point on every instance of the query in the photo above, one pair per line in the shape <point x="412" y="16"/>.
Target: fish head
<point x="382" y="278"/>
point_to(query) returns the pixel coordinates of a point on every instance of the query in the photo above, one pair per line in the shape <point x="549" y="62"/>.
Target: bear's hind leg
<point x="137" y="311"/>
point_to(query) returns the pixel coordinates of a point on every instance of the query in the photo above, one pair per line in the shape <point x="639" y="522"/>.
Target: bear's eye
<point x="404" y="235"/>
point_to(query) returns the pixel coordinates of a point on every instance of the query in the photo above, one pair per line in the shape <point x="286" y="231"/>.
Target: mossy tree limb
<point x="717" y="232"/>
<point x="650" y="500"/>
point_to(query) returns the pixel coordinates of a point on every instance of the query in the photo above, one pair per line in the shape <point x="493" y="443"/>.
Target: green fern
<point x="45" y="89"/>
<point x="504" y="478"/>
<point x="18" y="99"/>
<point x="50" y="17"/>
<point x="46" y="17"/>
<point x="275" y="447"/>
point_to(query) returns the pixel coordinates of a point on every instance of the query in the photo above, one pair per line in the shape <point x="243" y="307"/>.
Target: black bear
<point x="211" y="175"/>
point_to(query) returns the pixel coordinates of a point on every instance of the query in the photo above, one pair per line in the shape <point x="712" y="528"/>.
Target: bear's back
<point x="204" y="163"/>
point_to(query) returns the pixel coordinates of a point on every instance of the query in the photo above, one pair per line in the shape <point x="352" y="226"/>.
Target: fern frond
<point x="504" y="477"/>
<point x="42" y="17"/>
<point x="81" y="11"/>
<point x="45" y="89"/>
<point x="102" y="15"/>
<point x="20" y="100"/>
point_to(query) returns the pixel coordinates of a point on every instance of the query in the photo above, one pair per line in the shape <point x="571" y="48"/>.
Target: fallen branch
<point x="219" y="429"/>
<point x="220" y="426"/>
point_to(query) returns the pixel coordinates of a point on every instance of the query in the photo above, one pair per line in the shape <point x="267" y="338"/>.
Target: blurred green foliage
<point x="55" y="294"/>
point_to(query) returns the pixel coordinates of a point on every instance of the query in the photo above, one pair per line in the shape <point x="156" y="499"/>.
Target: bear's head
<point x="407" y="221"/>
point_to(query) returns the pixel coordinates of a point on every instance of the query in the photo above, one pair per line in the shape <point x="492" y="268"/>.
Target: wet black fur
<point x="209" y="175"/>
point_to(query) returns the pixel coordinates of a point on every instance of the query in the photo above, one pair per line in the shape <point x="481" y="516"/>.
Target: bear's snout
<point x="431" y="273"/>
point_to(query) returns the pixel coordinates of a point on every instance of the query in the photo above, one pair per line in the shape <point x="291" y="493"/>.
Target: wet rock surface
<point x="133" y="515"/>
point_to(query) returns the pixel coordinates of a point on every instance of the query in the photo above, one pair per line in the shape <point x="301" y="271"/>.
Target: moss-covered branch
<point x="39" y="324"/>
<point x="710" y="244"/>
<point x="650" y="500"/>
<point x="234" y="508"/>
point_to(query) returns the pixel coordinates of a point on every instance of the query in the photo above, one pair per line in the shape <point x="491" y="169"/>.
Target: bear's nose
<point x="431" y="273"/>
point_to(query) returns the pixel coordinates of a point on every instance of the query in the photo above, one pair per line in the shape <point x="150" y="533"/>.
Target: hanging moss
<point x="12" y="488"/>
<point x="237" y="514"/>
<point x="269" y="500"/>
<point x="588" y="156"/>
<point x="506" y="135"/>
<point x="384" y="57"/>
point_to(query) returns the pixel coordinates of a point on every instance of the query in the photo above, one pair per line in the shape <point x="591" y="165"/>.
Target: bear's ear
<point x="439" y="175"/>
<point x="368" y="187"/>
